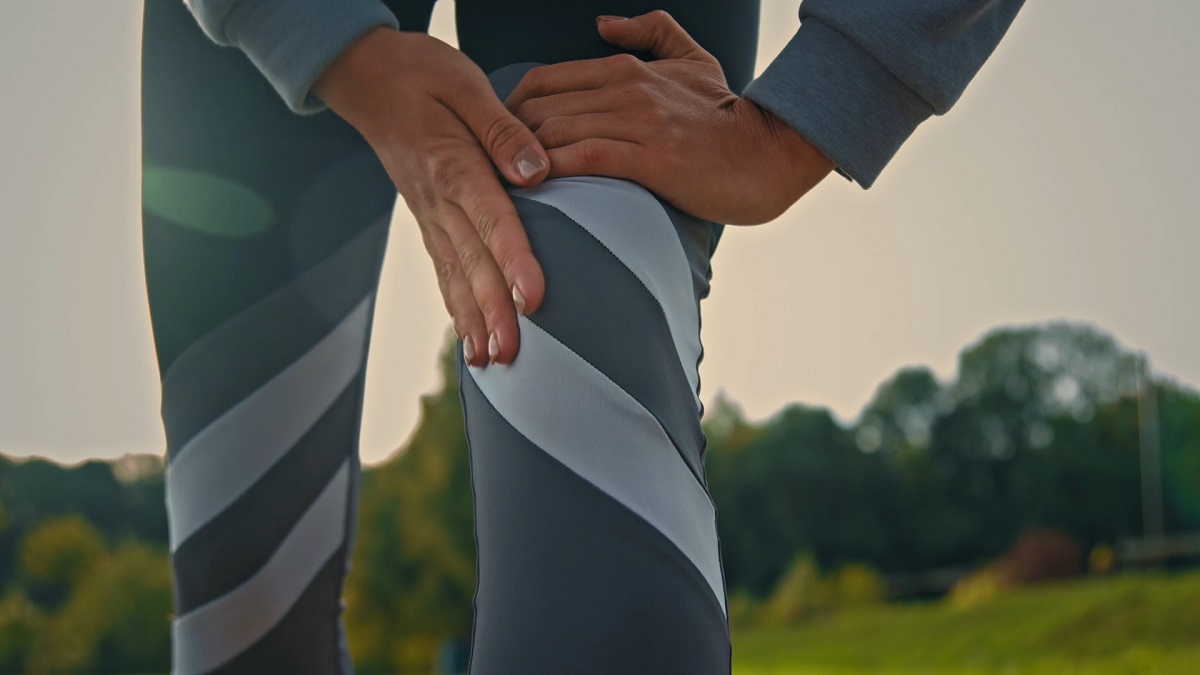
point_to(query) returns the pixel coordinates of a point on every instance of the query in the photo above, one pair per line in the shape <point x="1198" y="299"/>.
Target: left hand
<point x="671" y="125"/>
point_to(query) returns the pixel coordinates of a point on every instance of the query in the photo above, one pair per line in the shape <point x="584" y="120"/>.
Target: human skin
<point x="671" y="125"/>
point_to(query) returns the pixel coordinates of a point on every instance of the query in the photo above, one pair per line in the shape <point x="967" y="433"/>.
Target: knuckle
<point x="594" y="154"/>
<point x="469" y="259"/>
<point x="426" y="196"/>
<point x="446" y="176"/>
<point x="445" y="273"/>
<point x="500" y="132"/>
<point x="625" y="62"/>
<point x="532" y="80"/>
<point x="552" y="131"/>
<point x="527" y="110"/>
<point x="486" y="224"/>
<point x="661" y="15"/>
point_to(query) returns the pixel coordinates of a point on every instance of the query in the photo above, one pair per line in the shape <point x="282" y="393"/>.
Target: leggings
<point x="263" y="234"/>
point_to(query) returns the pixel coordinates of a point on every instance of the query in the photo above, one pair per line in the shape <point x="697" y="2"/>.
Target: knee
<point x="624" y="218"/>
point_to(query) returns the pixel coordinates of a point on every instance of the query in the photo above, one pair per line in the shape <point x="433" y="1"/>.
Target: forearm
<point x="291" y="41"/>
<point x="861" y="75"/>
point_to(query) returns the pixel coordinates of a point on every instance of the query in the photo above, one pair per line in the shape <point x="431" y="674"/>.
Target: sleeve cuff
<point x="840" y="99"/>
<point x="292" y="42"/>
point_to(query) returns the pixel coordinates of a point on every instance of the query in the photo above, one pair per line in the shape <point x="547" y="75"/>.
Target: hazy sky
<point x="1062" y="185"/>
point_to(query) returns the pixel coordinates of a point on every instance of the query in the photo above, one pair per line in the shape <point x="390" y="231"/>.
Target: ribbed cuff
<point x="840" y="99"/>
<point x="292" y="41"/>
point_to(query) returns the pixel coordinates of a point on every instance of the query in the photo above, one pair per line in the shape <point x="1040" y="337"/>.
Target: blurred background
<point x="953" y="421"/>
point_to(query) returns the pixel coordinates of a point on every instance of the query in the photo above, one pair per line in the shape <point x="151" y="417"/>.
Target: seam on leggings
<point x="462" y="403"/>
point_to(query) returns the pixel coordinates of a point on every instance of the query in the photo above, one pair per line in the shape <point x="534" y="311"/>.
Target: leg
<point x="263" y="237"/>
<point x="597" y="539"/>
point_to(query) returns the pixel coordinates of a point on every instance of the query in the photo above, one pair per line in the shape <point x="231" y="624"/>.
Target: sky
<point x="1063" y="185"/>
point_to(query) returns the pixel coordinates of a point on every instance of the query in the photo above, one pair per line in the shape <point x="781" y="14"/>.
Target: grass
<point x="1127" y="623"/>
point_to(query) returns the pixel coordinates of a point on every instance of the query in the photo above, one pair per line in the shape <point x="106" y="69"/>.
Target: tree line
<point x="1038" y="429"/>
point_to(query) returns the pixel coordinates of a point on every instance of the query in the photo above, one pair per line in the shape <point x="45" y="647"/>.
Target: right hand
<point x="436" y="124"/>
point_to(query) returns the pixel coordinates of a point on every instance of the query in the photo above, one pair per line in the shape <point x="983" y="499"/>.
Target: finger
<point x="598" y="157"/>
<point x="558" y="132"/>
<point x="487" y="284"/>
<point x="533" y="112"/>
<point x="656" y="32"/>
<point x="465" y="182"/>
<point x="506" y="140"/>
<point x="457" y="296"/>
<point x="581" y="75"/>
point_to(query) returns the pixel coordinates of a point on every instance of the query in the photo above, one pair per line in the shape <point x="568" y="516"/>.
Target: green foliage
<point x="117" y="619"/>
<point x="20" y="624"/>
<point x="803" y="593"/>
<point x="56" y="555"/>
<point x="413" y="574"/>
<point x="1038" y="430"/>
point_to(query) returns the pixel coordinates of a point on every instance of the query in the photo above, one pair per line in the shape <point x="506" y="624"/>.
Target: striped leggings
<point x="263" y="236"/>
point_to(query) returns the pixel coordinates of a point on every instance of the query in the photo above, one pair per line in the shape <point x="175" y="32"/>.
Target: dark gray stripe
<point x="221" y="462"/>
<point x="565" y="406"/>
<point x="306" y="639"/>
<point x="622" y="332"/>
<point x="570" y="581"/>
<point x="226" y="365"/>
<point x="631" y="223"/>
<point x="214" y="633"/>
<point x="231" y="547"/>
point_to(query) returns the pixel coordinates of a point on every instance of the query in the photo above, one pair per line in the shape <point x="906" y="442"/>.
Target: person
<point x="571" y="172"/>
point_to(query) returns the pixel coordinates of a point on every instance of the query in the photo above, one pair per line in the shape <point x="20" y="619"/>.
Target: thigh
<point x="597" y="538"/>
<point x="263" y="235"/>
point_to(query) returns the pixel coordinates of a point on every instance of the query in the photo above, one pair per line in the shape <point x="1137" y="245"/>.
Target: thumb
<point x="656" y="32"/>
<point x="511" y="145"/>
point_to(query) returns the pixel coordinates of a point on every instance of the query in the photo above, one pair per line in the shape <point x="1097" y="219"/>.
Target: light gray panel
<point x="631" y="223"/>
<point x="572" y="411"/>
<point x="214" y="633"/>
<point x="231" y="454"/>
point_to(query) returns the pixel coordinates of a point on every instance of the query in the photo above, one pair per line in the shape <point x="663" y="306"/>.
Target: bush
<point x="803" y="593"/>
<point x="1042" y="555"/>
<point x="856" y="585"/>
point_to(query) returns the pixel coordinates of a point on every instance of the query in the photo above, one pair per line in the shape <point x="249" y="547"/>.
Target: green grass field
<point x="1127" y="623"/>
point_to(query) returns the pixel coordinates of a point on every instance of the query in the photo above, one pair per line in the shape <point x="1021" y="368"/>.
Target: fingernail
<point x="609" y="17"/>
<point x="493" y="348"/>
<point x="519" y="300"/>
<point x="468" y="349"/>
<point x="529" y="163"/>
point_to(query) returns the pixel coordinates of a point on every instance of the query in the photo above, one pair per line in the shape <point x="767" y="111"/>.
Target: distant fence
<point x="1175" y="551"/>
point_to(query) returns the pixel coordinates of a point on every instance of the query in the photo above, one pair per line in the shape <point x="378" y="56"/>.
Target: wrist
<point x="355" y="84"/>
<point x="790" y="157"/>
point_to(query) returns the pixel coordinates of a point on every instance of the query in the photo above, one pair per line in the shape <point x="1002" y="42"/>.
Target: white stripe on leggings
<point x="632" y="224"/>
<point x="216" y="632"/>
<point x="572" y="411"/>
<point x="229" y="455"/>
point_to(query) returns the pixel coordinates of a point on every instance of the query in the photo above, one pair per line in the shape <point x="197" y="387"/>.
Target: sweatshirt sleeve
<point x="290" y="41"/>
<point x="860" y="75"/>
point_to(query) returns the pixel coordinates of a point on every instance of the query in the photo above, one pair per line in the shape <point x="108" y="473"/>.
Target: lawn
<point x="1126" y="623"/>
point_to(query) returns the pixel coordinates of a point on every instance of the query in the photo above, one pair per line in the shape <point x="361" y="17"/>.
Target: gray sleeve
<point x="290" y="41"/>
<point x="860" y="75"/>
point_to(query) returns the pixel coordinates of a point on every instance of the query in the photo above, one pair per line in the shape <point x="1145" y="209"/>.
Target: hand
<point x="671" y="125"/>
<point x="436" y="124"/>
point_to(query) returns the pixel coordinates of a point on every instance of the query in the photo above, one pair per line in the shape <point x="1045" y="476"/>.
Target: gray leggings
<point x="597" y="544"/>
